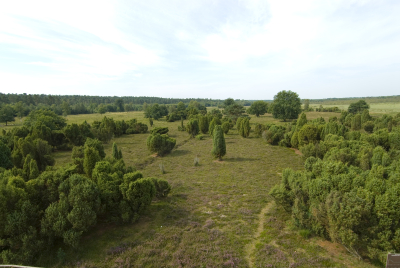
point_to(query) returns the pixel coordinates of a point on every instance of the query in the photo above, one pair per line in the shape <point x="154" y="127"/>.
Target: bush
<point x="199" y="137"/>
<point x="162" y="187"/>
<point x="225" y="127"/>
<point x="192" y="127"/>
<point x="258" y="130"/>
<point x="159" y="130"/>
<point x="160" y="144"/>
<point x="369" y="126"/>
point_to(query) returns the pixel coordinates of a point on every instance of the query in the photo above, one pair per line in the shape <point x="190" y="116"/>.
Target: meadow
<point x="218" y="214"/>
<point x="375" y="108"/>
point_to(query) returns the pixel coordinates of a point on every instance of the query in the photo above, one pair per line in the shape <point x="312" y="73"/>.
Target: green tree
<point x="258" y="108"/>
<point x="66" y="108"/>
<point x="212" y="125"/>
<point x="192" y="127"/>
<point x="286" y="105"/>
<point x="356" y="122"/>
<point x="301" y="121"/>
<point x="358" y="107"/>
<point x="160" y="144"/>
<point x="306" y="104"/>
<point x="219" y="146"/>
<point x="115" y="152"/>
<point x="90" y="159"/>
<point x="120" y="105"/>
<point x="7" y="114"/>
<point x="5" y="156"/>
<point x="204" y="124"/>
<point x="226" y="127"/>
<point x="33" y="170"/>
<point x="232" y="109"/>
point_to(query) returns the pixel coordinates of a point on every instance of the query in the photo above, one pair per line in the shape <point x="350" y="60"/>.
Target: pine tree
<point x="115" y="153"/>
<point x="26" y="168"/>
<point x="204" y="124"/>
<point x="219" y="146"/>
<point x="90" y="159"/>
<point x="192" y="127"/>
<point x="34" y="170"/>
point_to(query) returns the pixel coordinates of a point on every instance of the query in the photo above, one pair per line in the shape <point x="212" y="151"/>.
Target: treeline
<point x="13" y="105"/>
<point x="350" y="189"/>
<point x="42" y="207"/>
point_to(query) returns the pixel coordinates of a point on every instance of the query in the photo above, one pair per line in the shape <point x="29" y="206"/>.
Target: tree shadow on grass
<point x="239" y="159"/>
<point x="179" y="153"/>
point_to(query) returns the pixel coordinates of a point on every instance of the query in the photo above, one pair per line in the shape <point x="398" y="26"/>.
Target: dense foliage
<point x="286" y="105"/>
<point x="350" y="189"/>
<point x="41" y="207"/>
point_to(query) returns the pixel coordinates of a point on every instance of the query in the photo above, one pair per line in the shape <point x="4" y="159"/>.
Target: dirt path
<point x="249" y="248"/>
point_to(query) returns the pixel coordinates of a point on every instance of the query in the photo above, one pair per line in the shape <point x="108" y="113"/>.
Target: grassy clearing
<point x="218" y="214"/>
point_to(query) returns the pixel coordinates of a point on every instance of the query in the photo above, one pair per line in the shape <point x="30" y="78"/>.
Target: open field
<point x="218" y="214"/>
<point x="375" y="108"/>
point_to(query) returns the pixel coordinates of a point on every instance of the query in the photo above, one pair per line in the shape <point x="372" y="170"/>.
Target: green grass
<point x="212" y="214"/>
<point x="375" y="108"/>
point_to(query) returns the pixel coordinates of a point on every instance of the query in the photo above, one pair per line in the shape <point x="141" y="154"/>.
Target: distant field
<point x="375" y="108"/>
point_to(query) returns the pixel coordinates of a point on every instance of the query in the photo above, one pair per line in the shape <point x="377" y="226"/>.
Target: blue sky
<point x="201" y="49"/>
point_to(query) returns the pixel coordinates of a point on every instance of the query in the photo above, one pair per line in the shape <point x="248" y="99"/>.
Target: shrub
<point x="203" y="124"/>
<point x="159" y="130"/>
<point x="369" y="126"/>
<point x="199" y="137"/>
<point x="192" y="127"/>
<point x="258" y="130"/>
<point x="160" y="144"/>
<point x="225" y="127"/>
<point x="162" y="187"/>
<point x="219" y="147"/>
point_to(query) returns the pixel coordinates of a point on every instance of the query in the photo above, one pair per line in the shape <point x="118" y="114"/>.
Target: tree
<point x="7" y="114"/>
<point x="234" y="110"/>
<point x="203" y="124"/>
<point x="286" y="105"/>
<point x="258" y="108"/>
<point x="357" y="107"/>
<point x="115" y="153"/>
<point x="160" y="143"/>
<point x="219" y="146"/>
<point x="120" y="105"/>
<point x="192" y="127"/>
<point x="5" y="156"/>
<point x="306" y="104"/>
<point x="66" y="108"/>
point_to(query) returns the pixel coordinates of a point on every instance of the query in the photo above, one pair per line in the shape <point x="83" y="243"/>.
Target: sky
<point x="243" y="49"/>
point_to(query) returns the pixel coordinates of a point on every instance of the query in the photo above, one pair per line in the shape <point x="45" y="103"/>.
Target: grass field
<point x="218" y="214"/>
<point x="375" y="108"/>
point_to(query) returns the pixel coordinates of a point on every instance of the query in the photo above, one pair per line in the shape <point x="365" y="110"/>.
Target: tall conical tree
<point x="115" y="153"/>
<point x="34" y="170"/>
<point x="192" y="127"/>
<point x="204" y="124"/>
<point x="219" y="146"/>
<point x="26" y="168"/>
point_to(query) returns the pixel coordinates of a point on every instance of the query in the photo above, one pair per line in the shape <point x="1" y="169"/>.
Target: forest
<point x="197" y="182"/>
